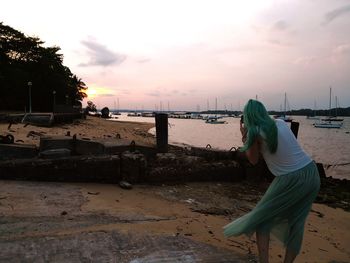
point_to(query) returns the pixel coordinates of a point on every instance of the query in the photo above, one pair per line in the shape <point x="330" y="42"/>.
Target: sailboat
<point x="335" y="117"/>
<point x="284" y="116"/>
<point x="214" y="119"/>
<point x="116" y="112"/>
<point x="328" y="122"/>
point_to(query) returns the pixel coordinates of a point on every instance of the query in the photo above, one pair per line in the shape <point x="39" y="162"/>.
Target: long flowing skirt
<point x="283" y="209"/>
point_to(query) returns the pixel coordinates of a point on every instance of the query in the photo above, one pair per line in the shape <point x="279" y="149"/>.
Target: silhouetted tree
<point x="23" y="59"/>
<point x="90" y="106"/>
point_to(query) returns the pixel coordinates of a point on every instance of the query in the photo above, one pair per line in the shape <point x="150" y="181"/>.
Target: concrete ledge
<point x="39" y="119"/>
<point x="88" y="147"/>
<point x="14" y="151"/>
<point x="112" y="160"/>
<point x="81" y="146"/>
<point x="76" y="169"/>
<point x="55" y="142"/>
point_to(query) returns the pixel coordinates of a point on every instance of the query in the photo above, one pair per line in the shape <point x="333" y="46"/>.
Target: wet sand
<point x="33" y="211"/>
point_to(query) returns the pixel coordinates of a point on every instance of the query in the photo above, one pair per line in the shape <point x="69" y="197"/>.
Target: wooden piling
<point x="162" y="131"/>
<point x="294" y="126"/>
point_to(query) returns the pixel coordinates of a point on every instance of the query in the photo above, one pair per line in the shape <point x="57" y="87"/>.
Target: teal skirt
<point x="283" y="209"/>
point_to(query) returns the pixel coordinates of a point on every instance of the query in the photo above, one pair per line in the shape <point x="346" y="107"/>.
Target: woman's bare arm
<point x="253" y="152"/>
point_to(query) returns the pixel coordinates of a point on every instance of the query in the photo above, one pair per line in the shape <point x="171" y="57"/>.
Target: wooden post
<point x="294" y="126"/>
<point x="162" y="131"/>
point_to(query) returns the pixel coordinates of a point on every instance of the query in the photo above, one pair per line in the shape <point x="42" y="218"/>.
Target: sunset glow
<point x="95" y="92"/>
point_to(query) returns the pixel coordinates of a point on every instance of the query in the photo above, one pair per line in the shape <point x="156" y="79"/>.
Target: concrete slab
<point x="114" y="247"/>
<point x="53" y="222"/>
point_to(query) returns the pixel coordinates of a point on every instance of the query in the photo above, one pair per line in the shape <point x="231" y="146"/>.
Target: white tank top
<point x="289" y="156"/>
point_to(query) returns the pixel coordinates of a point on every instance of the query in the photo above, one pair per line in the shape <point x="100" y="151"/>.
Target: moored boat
<point x="328" y="124"/>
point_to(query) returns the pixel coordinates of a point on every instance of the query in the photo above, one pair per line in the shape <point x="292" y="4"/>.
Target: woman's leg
<point x="295" y="241"/>
<point x="263" y="240"/>
<point x="290" y="255"/>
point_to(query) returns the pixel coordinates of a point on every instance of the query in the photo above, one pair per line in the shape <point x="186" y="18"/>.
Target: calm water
<point x="328" y="146"/>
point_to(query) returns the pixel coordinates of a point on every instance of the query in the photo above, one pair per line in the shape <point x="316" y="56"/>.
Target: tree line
<point x="300" y="112"/>
<point x="27" y="68"/>
<point x="310" y="112"/>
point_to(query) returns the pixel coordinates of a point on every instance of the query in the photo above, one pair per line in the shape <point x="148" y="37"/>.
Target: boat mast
<point x="315" y="106"/>
<point x="285" y="103"/>
<point x="336" y="106"/>
<point x="330" y="101"/>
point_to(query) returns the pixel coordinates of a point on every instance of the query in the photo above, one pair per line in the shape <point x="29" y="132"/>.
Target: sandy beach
<point x="193" y="211"/>
<point x="91" y="128"/>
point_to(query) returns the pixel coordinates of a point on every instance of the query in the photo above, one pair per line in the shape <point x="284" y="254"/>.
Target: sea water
<point x="328" y="146"/>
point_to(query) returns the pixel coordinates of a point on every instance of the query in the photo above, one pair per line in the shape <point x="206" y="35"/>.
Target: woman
<point x="283" y="209"/>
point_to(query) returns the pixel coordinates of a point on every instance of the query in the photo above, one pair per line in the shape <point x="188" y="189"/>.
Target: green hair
<point x="256" y="120"/>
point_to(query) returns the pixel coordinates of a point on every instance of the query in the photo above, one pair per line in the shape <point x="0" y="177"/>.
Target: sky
<point x="197" y="54"/>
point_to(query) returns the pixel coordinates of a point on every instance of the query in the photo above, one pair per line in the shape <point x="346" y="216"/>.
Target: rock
<point x="93" y="193"/>
<point x="105" y="112"/>
<point x="134" y="167"/>
<point x="125" y="185"/>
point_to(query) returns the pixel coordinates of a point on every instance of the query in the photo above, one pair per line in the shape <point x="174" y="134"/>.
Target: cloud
<point x="144" y="60"/>
<point x="280" y="25"/>
<point x="106" y="95"/>
<point x="125" y="92"/>
<point x="277" y="42"/>
<point x="100" y="55"/>
<point x="332" y="15"/>
<point x="342" y="49"/>
<point x="153" y="94"/>
<point x="163" y="92"/>
<point x="305" y="61"/>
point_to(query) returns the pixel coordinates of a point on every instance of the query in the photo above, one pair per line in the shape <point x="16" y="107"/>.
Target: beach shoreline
<point x="195" y="211"/>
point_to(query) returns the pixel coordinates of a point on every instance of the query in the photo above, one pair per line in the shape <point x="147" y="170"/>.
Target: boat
<point x="333" y="118"/>
<point x="148" y="114"/>
<point x="328" y="124"/>
<point x="214" y="120"/>
<point x="329" y="121"/>
<point x="312" y="117"/>
<point x="284" y="116"/>
<point x="134" y="114"/>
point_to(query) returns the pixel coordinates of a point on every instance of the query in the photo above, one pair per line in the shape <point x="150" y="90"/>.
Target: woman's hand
<point x="243" y="132"/>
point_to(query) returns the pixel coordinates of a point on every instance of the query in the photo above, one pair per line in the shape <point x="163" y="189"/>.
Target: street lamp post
<point x="30" y="96"/>
<point x="54" y="100"/>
